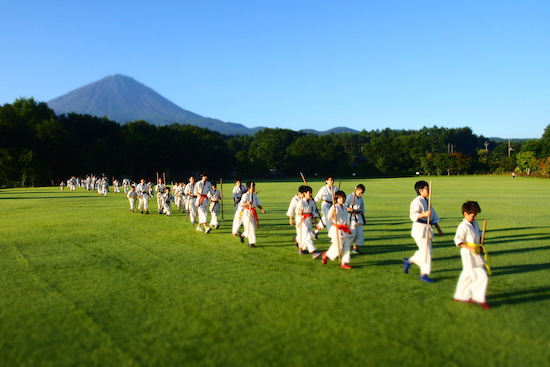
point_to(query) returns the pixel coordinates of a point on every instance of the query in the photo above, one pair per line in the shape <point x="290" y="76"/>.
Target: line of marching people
<point x="195" y="198"/>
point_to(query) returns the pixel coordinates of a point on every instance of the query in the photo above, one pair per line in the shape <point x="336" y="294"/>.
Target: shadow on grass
<point x="516" y="269"/>
<point x="523" y="296"/>
<point x="522" y="238"/>
<point x="495" y="253"/>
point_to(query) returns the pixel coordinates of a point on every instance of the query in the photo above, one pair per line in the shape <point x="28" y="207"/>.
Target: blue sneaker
<point x="426" y="279"/>
<point x="406" y="265"/>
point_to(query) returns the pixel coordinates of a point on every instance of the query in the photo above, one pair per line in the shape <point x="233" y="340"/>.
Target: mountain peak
<point x="123" y="99"/>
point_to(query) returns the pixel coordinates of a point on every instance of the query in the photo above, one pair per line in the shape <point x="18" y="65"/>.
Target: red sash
<point x="202" y="199"/>
<point x="344" y="228"/>
<point x="254" y="215"/>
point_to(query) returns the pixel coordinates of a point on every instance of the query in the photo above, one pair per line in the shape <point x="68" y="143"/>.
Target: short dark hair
<point x="420" y="185"/>
<point x="329" y="176"/>
<point x="471" y="207"/>
<point x="361" y="187"/>
<point x="249" y="184"/>
<point x="304" y="189"/>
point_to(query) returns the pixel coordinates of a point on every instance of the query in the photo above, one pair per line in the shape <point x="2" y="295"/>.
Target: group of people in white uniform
<point x="343" y="216"/>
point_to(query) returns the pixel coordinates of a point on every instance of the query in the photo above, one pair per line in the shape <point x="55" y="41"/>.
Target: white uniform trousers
<point x="472" y="283"/>
<point x="237" y="221"/>
<point x="304" y="234"/>
<point x="344" y="241"/>
<point x="420" y="258"/>
<point x="250" y="226"/>
<point x="357" y="235"/>
<point x="214" y="209"/>
<point x="144" y="202"/>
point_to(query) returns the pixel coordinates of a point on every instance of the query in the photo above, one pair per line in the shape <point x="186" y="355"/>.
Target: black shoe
<point x="242" y="239"/>
<point x="251" y="245"/>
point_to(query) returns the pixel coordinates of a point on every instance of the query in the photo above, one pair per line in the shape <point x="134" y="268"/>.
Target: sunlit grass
<point x="86" y="282"/>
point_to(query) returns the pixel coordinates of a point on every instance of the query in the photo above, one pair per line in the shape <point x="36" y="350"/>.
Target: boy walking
<point x="339" y="233"/>
<point x="422" y="232"/>
<point x="356" y="208"/>
<point x="305" y="217"/>
<point x="325" y="195"/>
<point x="215" y="196"/>
<point x="202" y="190"/>
<point x="143" y="195"/>
<point x="472" y="283"/>
<point x="248" y="204"/>
<point x="132" y="198"/>
<point x="166" y="199"/>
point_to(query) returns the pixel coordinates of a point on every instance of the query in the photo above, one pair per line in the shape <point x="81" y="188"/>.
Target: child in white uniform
<point x="143" y="195"/>
<point x="249" y="202"/>
<point x="238" y="191"/>
<point x="202" y="189"/>
<point x="472" y="283"/>
<point x="160" y="189"/>
<point x="132" y="196"/>
<point x="306" y="215"/>
<point x="325" y="195"/>
<point x="190" y="202"/>
<point x="339" y="233"/>
<point x="419" y="213"/>
<point x="166" y="199"/>
<point x="215" y="197"/>
<point x="356" y="208"/>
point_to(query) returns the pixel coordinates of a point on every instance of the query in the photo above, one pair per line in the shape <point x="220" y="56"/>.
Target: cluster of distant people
<point x="91" y="182"/>
<point x="342" y="215"/>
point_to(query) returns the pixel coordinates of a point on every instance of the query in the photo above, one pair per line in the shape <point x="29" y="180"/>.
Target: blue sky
<point x="297" y="64"/>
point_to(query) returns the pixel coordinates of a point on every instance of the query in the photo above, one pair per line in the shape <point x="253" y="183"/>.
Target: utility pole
<point x="486" y="145"/>
<point x="510" y="147"/>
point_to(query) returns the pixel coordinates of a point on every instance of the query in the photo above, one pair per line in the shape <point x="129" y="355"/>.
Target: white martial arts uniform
<point x="143" y="195"/>
<point x="472" y="283"/>
<point x="215" y="202"/>
<point x="132" y="196"/>
<point x="325" y="194"/>
<point x="250" y="216"/>
<point x="178" y="196"/>
<point x="166" y="199"/>
<point x="201" y="191"/>
<point x="159" y="189"/>
<point x="339" y="234"/>
<point x="291" y="212"/>
<point x="305" y="212"/>
<point x="356" y="218"/>
<point x="190" y="201"/>
<point x="419" y="232"/>
<point x="237" y="194"/>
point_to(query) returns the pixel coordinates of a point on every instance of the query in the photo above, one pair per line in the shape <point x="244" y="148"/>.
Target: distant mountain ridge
<point x="123" y="99"/>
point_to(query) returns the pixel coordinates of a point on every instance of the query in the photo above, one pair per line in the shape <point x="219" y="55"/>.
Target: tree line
<point x="38" y="147"/>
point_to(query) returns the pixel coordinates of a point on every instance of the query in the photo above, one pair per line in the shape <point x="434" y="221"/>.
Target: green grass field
<point x="84" y="282"/>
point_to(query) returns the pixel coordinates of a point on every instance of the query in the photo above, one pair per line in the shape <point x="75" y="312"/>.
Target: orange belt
<point x="254" y="214"/>
<point x="342" y="227"/>
<point x="202" y="199"/>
